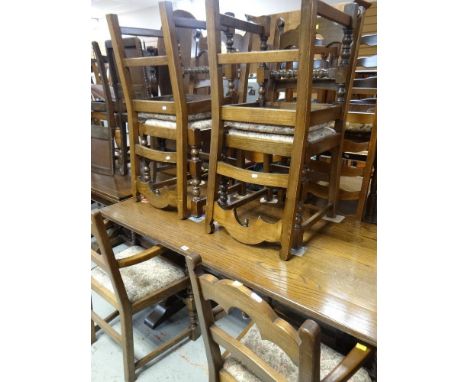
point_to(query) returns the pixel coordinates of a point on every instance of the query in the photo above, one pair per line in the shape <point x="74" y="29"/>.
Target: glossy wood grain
<point x="333" y="282"/>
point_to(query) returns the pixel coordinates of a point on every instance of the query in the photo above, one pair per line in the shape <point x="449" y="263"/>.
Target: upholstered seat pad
<point x="358" y="127"/>
<point x="142" y="279"/>
<point x="168" y="121"/>
<point x="314" y="135"/>
<point x="273" y="129"/>
<point x="281" y="362"/>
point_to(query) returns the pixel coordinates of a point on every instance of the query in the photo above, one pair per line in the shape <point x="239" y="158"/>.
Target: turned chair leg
<point x="267" y="158"/>
<point x="127" y="346"/>
<point x="195" y="172"/>
<point x="287" y="236"/>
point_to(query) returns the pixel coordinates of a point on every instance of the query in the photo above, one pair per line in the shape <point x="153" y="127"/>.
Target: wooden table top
<point x="333" y="282"/>
<point x="110" y="189"/>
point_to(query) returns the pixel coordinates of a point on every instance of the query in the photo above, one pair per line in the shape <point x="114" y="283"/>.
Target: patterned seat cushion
<point x="280" y="361"/>
<point x="278" y="133"/>
<point x="358" y="127"/>
<point x="167" y="121"/>
<point x="142" y="279"/>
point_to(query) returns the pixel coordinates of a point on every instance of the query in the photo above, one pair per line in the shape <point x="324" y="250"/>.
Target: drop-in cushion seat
<point x="167" y="121"/>
<point x="358" y="127"/>
<point x="142" y="279"/>
<point x="278" y="133"/>
<point x="281" y="362"/>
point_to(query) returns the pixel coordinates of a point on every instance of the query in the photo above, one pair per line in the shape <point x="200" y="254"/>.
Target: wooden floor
<point x="110" y="189"/>
<point x="334" y="281"/>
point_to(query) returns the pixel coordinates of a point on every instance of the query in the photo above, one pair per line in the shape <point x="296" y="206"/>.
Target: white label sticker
<point x="184" y="248"/>
<point x="254" y="176"/>
<point x="168" y="157"/>
<point x="256" y="297"/>
<point x="164" y="107"/>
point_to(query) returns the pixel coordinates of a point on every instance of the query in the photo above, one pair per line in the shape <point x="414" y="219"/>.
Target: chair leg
<point x="287" y="236"/>
<point x="127" y="346"/>
<point x="366" y="178"/>
<point x="364" y="191"/>
<point x="334" y="184"/>
<point x="267" y="158"/>
<point x="195" y="172"/>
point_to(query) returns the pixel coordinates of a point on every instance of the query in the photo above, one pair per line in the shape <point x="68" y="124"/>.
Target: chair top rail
<point x="259" y="57"/>
<point x="143" y="32"/>
<point x="331" y="13"/>
<point x="247" y="26"/>
<point x="146" y="61"/>
<point x="185" y="22"/>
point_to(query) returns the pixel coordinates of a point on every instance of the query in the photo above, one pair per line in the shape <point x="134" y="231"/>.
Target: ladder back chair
<point x="278" y="128"/>
<point x="103" y="120"/>
<point x="180" y="117"/>
<point x="269" y="349"/>
<point x="143" y="84"/>
<point x="360" y="143"/>
<point x="130" y="281"/>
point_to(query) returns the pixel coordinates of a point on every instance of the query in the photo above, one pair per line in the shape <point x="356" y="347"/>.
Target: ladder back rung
<point x="155" y="155"/>
<point x="261" y="178"/>
<point x="145" y="61"/>
<point x="259" y="57"/>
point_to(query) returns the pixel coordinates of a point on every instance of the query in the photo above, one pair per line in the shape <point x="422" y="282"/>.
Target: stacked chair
<point x="159" y="172"/>
<point x="360" y="143"/>
<point x="295" y="131"/>
<point x="143" y="84"/>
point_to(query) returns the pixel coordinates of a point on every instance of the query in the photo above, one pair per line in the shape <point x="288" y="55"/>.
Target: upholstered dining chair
<point x="130" y="281"/>
<point x="269" y="349"/>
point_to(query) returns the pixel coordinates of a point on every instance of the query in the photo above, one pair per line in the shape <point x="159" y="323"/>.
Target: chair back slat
<point x="97" y="258"/>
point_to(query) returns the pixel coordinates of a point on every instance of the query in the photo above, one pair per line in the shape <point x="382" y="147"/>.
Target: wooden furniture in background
<point x="107" y="189"/>
<point x="120" y="280"/>
<point x="334" y="282"/>
<point x="143" y="84"/>
<point x="103" y="122"/>
<point x="268" y="121"/>
<point x="109" y="143"/>
<point x="269" y="348"/>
